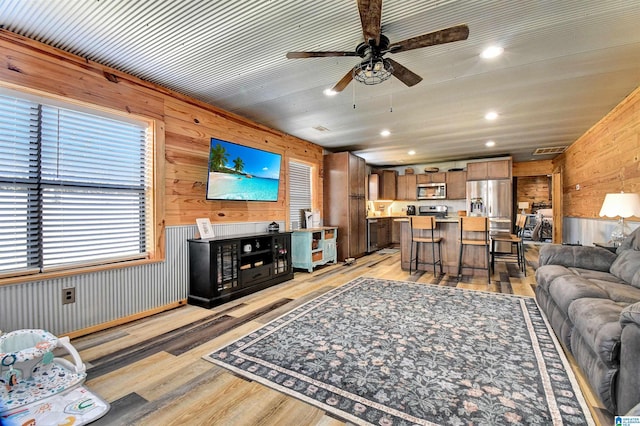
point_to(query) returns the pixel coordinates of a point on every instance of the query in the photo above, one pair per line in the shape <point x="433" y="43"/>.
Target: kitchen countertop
<point x="446" y="219"/>
<point x="451" y="219"/>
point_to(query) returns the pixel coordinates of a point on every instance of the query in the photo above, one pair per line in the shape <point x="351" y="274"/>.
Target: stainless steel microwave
<point x="431" y="191"/>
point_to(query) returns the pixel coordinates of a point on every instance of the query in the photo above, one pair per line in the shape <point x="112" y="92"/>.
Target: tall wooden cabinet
<point x="345" y="203"/>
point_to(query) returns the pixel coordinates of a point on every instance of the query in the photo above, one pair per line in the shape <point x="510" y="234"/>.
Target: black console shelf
<point x="225" y="268"/>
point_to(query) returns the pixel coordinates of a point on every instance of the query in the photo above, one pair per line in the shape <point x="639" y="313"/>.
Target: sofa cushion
<point x="595" y="275"/>
<point x="627" y="267"/>
<point x="587" y="257"/>
<point x="597" y="323"/>
<point x="567" y="288"/>
<point x="547" y="273"/>
<point x="619" y="291"/>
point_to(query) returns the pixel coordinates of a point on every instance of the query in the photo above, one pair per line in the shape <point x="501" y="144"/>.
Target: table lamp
<point x="523" y="205"/>
<point x="622" y="205"/>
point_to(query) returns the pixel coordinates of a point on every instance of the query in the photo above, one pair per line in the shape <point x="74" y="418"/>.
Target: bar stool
<point x="516" y="242"/>
<point x="477" y="234"/>
<point x="421" y="225"/>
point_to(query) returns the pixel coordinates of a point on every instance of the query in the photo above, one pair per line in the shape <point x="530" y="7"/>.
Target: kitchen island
<point x="447" y="229"/>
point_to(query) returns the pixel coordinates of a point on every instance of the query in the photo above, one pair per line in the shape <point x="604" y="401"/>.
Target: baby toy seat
<point x="25" y="353"/>
<point x="38" y="388"/>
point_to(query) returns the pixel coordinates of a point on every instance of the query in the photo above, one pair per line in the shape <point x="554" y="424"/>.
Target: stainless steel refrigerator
<point x="492" y="198"/>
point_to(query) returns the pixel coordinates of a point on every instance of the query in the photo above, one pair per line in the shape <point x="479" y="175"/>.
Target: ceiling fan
<point x="374" y="68"/>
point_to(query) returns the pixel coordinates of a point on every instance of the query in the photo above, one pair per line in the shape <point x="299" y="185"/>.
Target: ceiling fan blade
<point x="297" y="55"/>
<point x="344" y="82"/>
<point x="404" y="74"/>
<point x="370" y="18"/>
<point x="448" y="35"/>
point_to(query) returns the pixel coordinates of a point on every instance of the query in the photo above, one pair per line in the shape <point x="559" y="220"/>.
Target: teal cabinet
<point x="313" y="247"/>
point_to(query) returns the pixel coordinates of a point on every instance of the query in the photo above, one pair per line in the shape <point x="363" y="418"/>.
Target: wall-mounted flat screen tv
<point x="238" y="172"/>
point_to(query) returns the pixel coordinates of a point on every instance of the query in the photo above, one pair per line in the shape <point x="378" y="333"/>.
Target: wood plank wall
<point x="534" y="189"/>
<point x="188" y="126"/>
<point x="605" y="159"/>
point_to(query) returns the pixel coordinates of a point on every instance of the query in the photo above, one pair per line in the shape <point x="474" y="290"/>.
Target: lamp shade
<point x="621" y="204"/>
<point x="523" y="204"/>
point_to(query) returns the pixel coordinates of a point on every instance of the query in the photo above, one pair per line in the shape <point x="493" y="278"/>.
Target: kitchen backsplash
<point x="399" y="208"/>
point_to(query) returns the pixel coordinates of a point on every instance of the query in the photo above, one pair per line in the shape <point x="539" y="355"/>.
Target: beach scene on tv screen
<point x="238" y="172"/>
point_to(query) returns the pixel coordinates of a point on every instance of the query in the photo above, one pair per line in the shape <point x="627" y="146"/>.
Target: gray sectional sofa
<point x="591" y="297"/>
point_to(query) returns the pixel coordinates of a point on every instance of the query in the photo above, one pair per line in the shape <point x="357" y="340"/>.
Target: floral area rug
<point x="398" y="353"/>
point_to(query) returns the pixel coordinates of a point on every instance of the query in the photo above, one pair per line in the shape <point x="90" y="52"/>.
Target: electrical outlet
<point x="68" y="295"/>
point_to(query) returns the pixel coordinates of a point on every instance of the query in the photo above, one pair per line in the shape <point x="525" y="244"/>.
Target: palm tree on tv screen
<point x="238" y="165"/>
<point x="218" y="158"/>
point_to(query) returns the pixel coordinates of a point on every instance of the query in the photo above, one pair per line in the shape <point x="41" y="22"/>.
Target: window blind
<point x="299" y="193"/>
<point x="72" y="187"/>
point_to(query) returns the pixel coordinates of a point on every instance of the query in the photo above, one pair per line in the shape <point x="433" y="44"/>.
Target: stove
<point x="438" y="211"/>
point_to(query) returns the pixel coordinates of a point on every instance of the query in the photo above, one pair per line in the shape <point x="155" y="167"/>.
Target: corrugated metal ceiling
<point x="566" y="64"/>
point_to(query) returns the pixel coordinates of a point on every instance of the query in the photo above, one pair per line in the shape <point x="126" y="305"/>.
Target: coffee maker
<point x="411" y="210"/>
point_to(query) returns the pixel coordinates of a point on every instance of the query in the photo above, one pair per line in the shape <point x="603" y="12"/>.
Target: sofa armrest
<point x="630" y="315"/>
<point x="586" y="257"/>
<point x="628" y="386"/>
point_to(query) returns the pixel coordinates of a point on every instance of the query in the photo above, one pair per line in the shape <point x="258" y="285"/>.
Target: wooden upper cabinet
<point x="499" y="169"/>
<point x="386" y="184"/>
<point x="373" y="187"/>
<point x="456" y="185"/>
<point x="406" y="188"/>
<point x="438" y="177"/>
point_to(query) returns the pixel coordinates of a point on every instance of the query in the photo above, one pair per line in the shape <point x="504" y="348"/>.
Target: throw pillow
<point x="627" y="267"/>
<point x="632" y="242"/>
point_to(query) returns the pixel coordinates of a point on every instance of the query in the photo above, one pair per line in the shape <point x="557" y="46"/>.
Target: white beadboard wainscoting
<point x="588" y="231"/>
<point x="106" y="296"/>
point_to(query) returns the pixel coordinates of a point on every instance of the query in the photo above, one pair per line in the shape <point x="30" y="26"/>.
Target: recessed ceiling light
<point x="385" y="133"/>
<point x="330" y="92"/>
<point x="412" y="152"/>
<point x="491" y="115"/>
<point x="489" y="144"/>
<point x="491" y="52"/>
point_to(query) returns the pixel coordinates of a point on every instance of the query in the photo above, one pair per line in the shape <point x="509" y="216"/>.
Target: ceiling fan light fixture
<point x="372" y="71"/>
<point x="329" y="92"/>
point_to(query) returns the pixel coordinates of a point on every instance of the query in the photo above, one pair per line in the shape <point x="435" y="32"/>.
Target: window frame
<point x="313" y="188"/>
<point x="155" y="228"/>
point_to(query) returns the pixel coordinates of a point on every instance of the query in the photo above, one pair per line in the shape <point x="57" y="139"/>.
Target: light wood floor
<point x="152" y="373"/>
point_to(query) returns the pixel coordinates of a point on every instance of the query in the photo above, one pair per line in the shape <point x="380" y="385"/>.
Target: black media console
<point x="225" y="268"/>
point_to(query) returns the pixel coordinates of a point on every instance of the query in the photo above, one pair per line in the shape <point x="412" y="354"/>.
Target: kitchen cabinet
<point x="406" y="188"/>
<point x="456" y="185"/>
<point x="313" y="247"/>
<point x="498" y="169"/>
<point x="374" y="191"/>
<point x="438" y="177"/>
<point x="386" y="185"/>
<point x="395" y="232"/>
<point x="384" y="232"/>
<point x="344" y="203"/>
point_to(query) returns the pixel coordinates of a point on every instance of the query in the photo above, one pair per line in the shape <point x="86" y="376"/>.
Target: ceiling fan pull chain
<point x="391" y="96"/>
<point x="354" y="95"/>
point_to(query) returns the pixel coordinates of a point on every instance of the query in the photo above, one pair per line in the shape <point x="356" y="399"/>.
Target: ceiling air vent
<point x="551" y="150"/>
